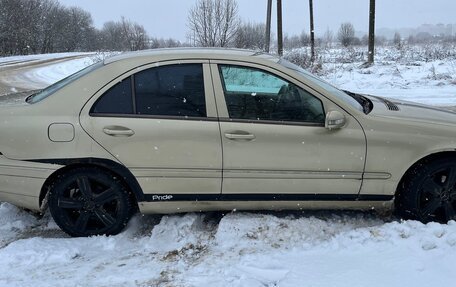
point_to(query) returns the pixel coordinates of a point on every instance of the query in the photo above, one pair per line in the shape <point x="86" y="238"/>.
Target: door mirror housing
<point x="334" y="120"/>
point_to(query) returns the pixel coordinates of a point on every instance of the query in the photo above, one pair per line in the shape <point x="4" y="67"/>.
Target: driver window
<point x="254" y="94"/>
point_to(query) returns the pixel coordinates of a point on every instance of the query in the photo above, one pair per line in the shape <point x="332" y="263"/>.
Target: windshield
<point x="326" y="86"/>
<point x="60" y="84"/>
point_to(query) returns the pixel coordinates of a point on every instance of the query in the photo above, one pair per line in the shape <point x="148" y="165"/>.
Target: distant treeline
<point x="45" y="26"/>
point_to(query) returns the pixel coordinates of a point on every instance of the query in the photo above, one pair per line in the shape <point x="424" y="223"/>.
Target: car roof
<point x="209" y="53"/>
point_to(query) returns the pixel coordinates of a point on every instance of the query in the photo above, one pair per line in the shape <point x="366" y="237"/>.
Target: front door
<point x="275" y="144"/>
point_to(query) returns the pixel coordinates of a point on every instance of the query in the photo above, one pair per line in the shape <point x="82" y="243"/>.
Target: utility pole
<point x="312" y="32"/>
<point x="279" y="28"/>
<point x="268" y="27"/>
<point x="370" y="59"/>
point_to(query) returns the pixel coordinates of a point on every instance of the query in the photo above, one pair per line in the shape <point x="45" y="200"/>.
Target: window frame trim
<point x="133" y="93"/>
<point x="270" y="122"/>
<point x="210" y="119"/>
<point x="158" y="117"/>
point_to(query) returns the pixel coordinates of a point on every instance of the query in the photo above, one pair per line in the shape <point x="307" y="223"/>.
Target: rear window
<point x="62" y="83"/>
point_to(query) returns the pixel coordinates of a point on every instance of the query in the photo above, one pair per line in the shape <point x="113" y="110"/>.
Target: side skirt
<point x="264" y="197"/>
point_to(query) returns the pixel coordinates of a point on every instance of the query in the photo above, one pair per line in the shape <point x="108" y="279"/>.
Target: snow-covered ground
<point x="432" y="83"/>
<point x="240" y="248"/>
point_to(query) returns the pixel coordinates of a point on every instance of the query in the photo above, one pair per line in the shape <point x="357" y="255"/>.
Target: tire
<point x="428" y="192"/>
<point x="90" y="201"/>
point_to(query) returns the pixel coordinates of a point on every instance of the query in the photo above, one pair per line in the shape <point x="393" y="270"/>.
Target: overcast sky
<point x="168" y="18"/>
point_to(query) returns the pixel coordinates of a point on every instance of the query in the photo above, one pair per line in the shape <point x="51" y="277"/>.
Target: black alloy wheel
<point x="90" y="201"/>
<point x="430" y="193"/>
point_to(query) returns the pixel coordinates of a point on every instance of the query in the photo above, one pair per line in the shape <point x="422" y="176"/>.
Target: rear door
<point x="160" y="121"/>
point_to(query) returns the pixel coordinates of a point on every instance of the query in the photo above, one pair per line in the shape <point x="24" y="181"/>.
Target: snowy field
<point x="424" y="74"/>
<point x="431" y="83"/>
<point x="247" y="249"/>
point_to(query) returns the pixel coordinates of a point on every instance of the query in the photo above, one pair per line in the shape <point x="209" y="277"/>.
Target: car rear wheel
<point x="429" y="192"/>
<point x="90" y="201"/>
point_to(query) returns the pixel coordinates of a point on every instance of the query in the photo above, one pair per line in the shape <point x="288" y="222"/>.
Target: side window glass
<point x="117" y="100"/>
<point x="254" y="94"/>
<point x="174" y="90"/>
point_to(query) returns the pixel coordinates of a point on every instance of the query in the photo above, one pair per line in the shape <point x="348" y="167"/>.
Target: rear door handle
<point x="118" y="131"/>
<point x="240" y="135"/>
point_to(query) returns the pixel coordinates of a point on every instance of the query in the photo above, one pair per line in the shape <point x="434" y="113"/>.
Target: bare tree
<point x="112" y="38"/>
<point x="134" y="36"/>
<point x="328" y="38"/>
<point x="51" y="27"/>
<point x="164" y="43"/>
<point x="30" y="37"/>
<point x="251" y="36"/>
<point x="75" y="23"/>
<point x="370" y="58"/>
<point x="346" y="34"/>
<point x="397" y="40"/>
<point x="139" y="39"/>
<point x="14" y="26"/>
<point x="43" y="26"/>
<point x="296" y="41"/>
<point x="213" y="23"/>
<point x="124" y="35"/>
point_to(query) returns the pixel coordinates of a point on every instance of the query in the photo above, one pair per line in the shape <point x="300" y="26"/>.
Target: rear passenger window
<point x="172" y="90"/>
<point x="117" y="100"/>
<point x="175" y="90"/>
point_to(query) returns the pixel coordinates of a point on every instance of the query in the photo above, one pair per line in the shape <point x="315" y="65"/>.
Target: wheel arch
<point x="105" y="164"/>
<point x="428" y="158"/>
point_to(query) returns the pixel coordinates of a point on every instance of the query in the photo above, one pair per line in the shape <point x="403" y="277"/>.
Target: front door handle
<point x="240" y="135"/>
<point x="118" y="131"/>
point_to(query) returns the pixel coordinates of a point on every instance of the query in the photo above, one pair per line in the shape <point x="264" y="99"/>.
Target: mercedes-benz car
<point x="190" y="130"/>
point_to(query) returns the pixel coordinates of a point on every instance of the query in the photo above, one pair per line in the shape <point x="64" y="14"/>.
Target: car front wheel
<point x="429" y="192"/>
<point x="90" y="201"/>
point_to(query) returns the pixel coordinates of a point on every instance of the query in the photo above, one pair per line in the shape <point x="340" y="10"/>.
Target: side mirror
<point x="334" y="120"/>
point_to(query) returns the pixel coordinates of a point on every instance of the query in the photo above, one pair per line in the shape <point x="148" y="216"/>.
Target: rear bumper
<point x="21" y="181"/>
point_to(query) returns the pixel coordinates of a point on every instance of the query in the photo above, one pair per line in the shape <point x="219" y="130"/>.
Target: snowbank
<point x="238" y="249"/>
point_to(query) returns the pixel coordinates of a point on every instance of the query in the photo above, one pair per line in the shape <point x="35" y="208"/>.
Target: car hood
<point x="16" y="99"/>
<point x="411" y="111"/>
